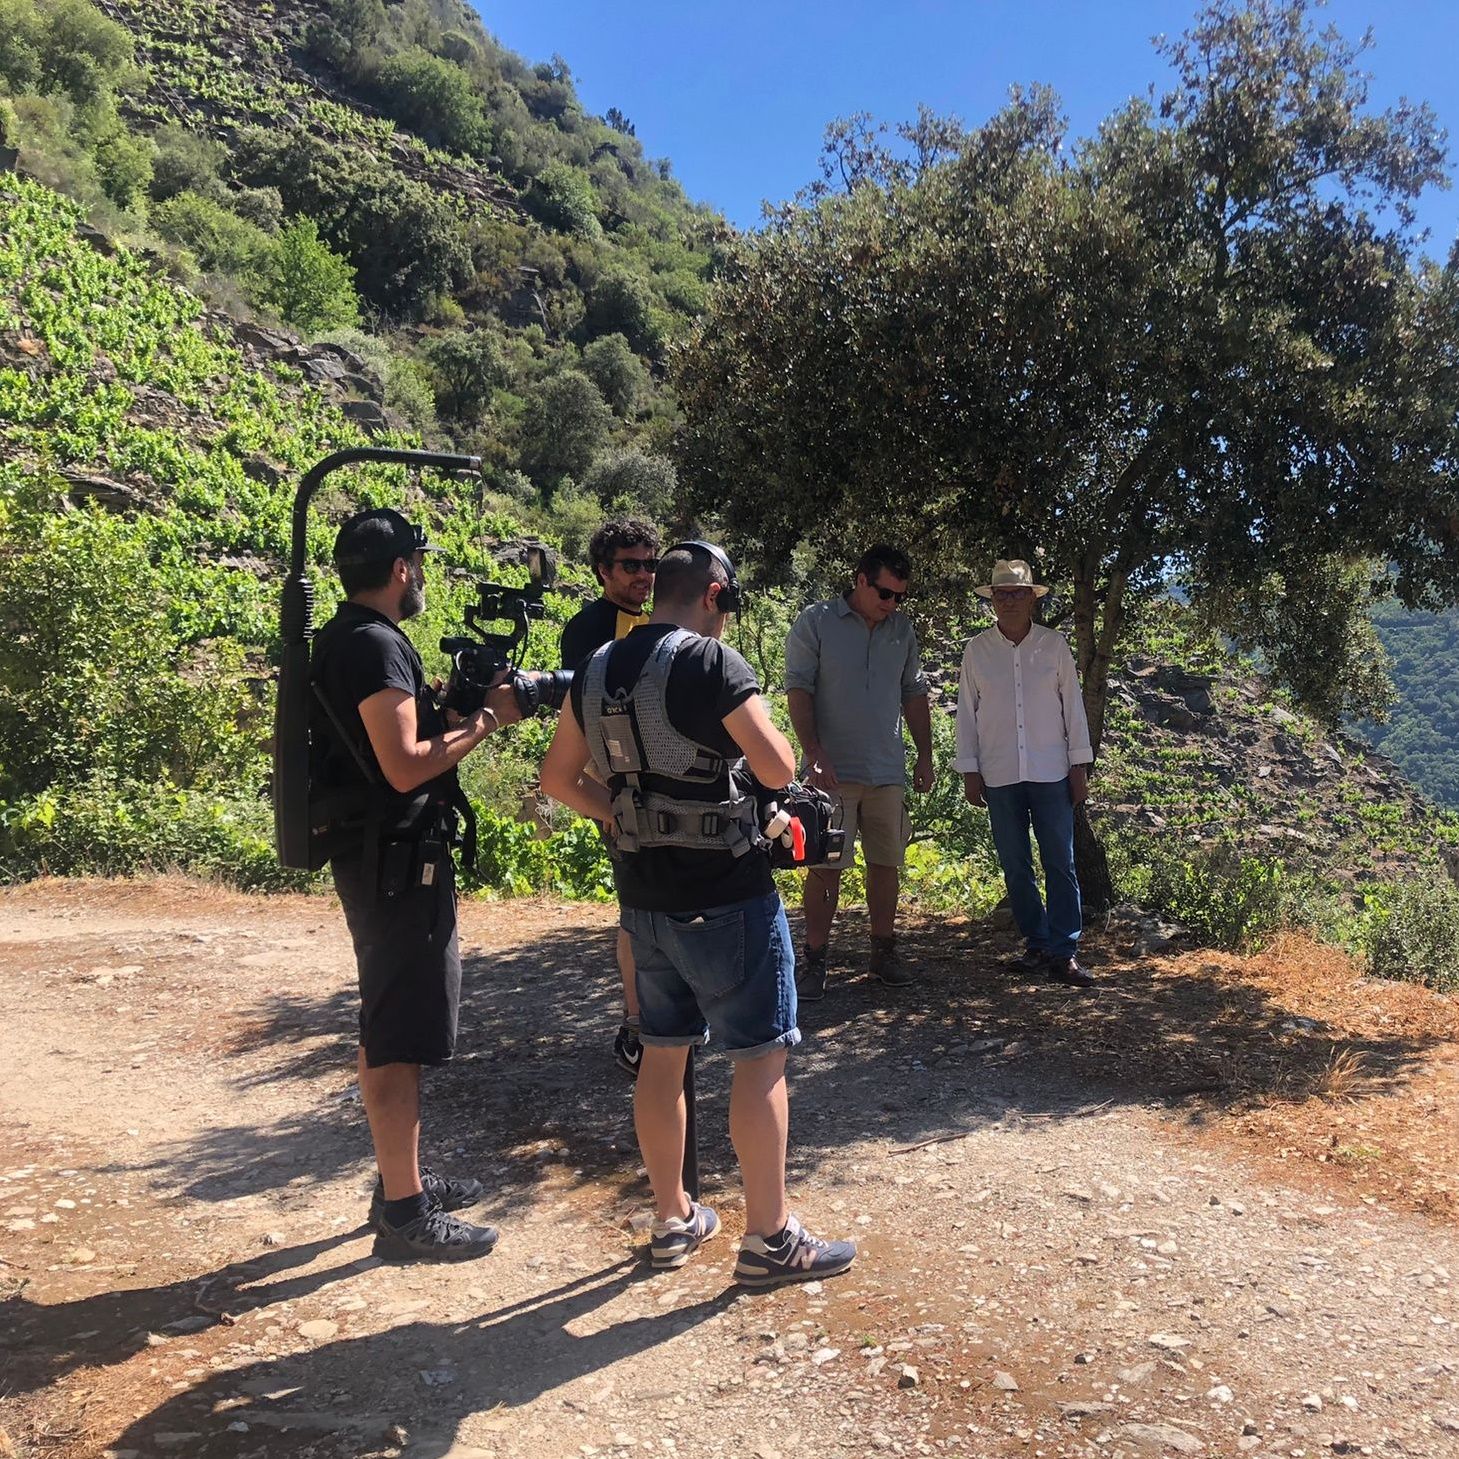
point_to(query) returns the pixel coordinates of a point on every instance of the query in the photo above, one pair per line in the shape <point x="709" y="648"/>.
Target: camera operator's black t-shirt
<point x="591" y="627"/>
<point x="708" y="681"/>
<point x="356" y="654"/>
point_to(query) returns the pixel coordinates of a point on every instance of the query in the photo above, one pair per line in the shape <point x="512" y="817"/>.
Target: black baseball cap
<point x="379" y="535"/>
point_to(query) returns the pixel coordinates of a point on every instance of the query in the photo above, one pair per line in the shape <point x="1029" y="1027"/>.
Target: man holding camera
<point x="624" y="553"/>
<point x="651" y="745"/>
<point x="852" y="673"/>
<point x="387" y="755"/>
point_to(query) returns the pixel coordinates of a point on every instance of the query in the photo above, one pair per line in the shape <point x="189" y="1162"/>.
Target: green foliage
<point x="101" y="826"/>
<point x="124" y="166"/>
<point x="973" y="345"/>
<point x="186" y="161"/>
<point x="1413" y="933"/>
<point x="406" y="243"/>
<point x="436" y="100"/>
<point x="630" y="480"/>
<point x="618" y="373"/>
<point x="567" y="422"/>
<point x="98" y="672"/>
<point x="1423" y="730"/>
<point x="466" y="370"/>
<point x="218" y="238"/>
<point x="621" y="303"/>
<point x="308" y="284"/>
<point x="562" y="197"/>
<point x="1223" y="897"/>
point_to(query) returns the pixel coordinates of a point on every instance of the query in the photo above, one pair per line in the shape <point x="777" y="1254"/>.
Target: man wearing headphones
<point x="668" y="718"/>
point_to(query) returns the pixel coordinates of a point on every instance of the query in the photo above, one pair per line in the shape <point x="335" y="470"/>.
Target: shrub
<point x="435" y="98"/>
<point x="567" y="422"/>
<point x="618" y="373"/>
<point x="186" y="161"/>
<point x="467" y="367"/>
<point x="124" y="167"/>
<point x="632" y="479"/>
<point x="563" y="197"/>
<point x="406" y="243"/>
<point x="220" y="240"/>
<point x="621" y="303"/>
<point x="106" y="827"/>
<point x="1224" y="898"/>
<point x="309" y="285"/>
<point x="96" y="674"/>
<point x="1415" y="936"/>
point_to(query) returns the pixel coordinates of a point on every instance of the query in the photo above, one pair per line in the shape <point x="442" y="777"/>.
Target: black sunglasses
<point x="888" y="596"/>
<point x="637" y="564"/>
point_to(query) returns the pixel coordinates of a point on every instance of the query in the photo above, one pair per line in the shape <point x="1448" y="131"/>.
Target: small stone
<point x="1221" y="1394"/>
<point x="908" y="1376"/>
<point x="273" y="1238"/>
<point x="796" y="1342"/>
<point x="1005" y="1382"/>
<point x="1247" y="1442"/>
<point x="1168" y="1342"/>
<point x="65" y="1205"/>
<point x="238" y="1427"/>
<point x="822" y="1356"/>
<point x="1313" y="1402"/>
<point x="320" y="1330"/>
<point x="1083" y="1358"/>
<point x="812" y="1288"/>
<point x="1162" y="1436"/>
<point x="21" y="1223"/>
<point x="1167" y="1248"/>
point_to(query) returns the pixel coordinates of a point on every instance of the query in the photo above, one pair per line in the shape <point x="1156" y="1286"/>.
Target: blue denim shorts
<point x="731" y="967"/>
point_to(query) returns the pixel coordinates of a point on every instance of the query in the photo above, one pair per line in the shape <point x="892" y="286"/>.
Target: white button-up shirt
<point x="1020" y="715"/>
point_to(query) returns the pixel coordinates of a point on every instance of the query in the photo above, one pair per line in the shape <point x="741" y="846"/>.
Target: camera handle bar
<point x="296" y="627"/>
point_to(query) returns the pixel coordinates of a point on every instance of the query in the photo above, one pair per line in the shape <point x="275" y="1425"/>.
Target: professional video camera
<point x="476" y="663"/>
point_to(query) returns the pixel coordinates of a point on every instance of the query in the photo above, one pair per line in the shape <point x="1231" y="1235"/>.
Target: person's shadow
<point x="424" y="1377"/>
<point x="47" y="1341"/>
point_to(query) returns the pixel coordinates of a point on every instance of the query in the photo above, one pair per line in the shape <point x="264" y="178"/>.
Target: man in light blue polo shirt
<point x="853" y="671"/>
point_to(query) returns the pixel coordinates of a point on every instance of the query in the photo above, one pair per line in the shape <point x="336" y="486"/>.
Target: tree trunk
<point x="1091" y="866"/>
<point x="1095" y="634"/>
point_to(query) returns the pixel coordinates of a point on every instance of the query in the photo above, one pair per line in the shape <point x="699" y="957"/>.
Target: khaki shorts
<point x="879" y="814"/>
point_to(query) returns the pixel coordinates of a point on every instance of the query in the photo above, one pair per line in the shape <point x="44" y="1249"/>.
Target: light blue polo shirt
<point x="859" y="678"/>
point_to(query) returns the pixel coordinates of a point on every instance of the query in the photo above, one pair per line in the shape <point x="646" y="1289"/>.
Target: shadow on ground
<point x="426" y="1376"/>
<point x="533" y="1099"/>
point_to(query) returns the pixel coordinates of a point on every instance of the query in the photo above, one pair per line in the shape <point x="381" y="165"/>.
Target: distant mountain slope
<point x="1421" y="736"/>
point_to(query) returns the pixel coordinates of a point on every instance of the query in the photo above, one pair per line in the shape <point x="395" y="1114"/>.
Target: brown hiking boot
<point x="886" y="963"/>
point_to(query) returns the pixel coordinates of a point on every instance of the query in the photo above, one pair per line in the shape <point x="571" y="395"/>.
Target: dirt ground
<point x="1211" y="1211"/>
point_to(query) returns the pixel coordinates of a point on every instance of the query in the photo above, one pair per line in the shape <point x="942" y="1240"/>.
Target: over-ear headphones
<point x="731" y="597"/>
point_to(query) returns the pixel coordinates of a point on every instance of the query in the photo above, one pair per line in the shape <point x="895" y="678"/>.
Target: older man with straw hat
<point x="1023" y="750"/>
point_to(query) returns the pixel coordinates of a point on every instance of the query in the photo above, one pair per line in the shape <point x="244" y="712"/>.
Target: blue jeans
<point x="1047" y="807"/>
<point x="730" y="966"/>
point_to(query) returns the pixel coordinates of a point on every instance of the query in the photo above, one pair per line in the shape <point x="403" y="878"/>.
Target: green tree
<point x="406" y="243"/>
<point x="435" y="98"/>
<point x="562" y="197"/>
<point x="309" y="286"/>
<point x="221" y="241"/>
<point x="618" y="373"/>
<point x="1184" y="342"/>
<point x="467" y="367"/>
<point x="567" y="422"/>
<point x="631" y="479"/>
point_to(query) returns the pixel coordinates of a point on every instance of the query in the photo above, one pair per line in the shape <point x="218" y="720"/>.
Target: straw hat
<point x="1011" y="573"/>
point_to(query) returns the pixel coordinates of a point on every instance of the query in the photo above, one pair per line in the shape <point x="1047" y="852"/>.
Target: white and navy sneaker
<point x="627" y="1050"/>
<point x="793" y="1255"/>
<point x="674" y="1241"/>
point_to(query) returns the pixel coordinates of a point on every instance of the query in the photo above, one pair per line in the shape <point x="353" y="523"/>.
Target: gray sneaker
<point x="810" y="975"/>
<point x="674" y="1241"/>
<point x="886" y="963"/>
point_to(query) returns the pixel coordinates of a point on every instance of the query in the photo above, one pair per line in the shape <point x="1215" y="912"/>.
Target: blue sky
<point x="738" y="95"/>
